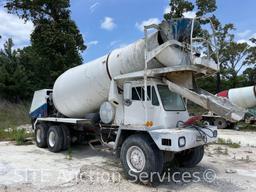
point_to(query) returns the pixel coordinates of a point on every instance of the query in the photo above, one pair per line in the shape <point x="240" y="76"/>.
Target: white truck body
<point x="139" y="93"/>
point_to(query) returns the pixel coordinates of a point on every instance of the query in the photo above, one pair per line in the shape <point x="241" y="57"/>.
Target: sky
<point x="110" y="24"/>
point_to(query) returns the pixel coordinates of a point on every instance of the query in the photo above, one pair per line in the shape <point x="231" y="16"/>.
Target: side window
<point x="138" y="93"/>
<point x="154" y="97"/>
<point x="148" y="92"/>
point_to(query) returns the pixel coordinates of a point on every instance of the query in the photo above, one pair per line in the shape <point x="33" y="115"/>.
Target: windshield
<point x="171" y="101"/>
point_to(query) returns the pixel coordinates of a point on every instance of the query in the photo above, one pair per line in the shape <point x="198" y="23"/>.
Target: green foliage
<point x="17" y="135"/>
<point x="56" y="42"/>
<point x="234" y="54"/>
<point x="39" y="9"/>
<point x="251" y="58"/>
<point x="249" y="75"/>
<point x="247" y="127"/>
<point x="13" y="78"/>
<point x="178" y="7"/>
<point x="228" y="143"/>
<point x="13" y="115"/>
<point x="195" y="109"/>
<point x="207" y="83"/>
<point x="57" y="46"/>
<point x="69" y="153"/>
<point x="205" y="6"/>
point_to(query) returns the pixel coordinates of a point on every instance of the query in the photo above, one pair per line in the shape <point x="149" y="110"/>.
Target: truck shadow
<point x="84" y="151"/>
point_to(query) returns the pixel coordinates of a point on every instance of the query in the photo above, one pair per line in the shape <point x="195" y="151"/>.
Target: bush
<point x="17" y="135"/>
<point x="13" y="115"/>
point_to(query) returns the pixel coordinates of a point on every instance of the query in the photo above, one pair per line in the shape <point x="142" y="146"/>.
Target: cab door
<point x="135" y="112"/>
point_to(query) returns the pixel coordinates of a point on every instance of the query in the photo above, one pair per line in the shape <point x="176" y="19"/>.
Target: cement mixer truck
<point x="244" y="97"/>
<point x="133" y="100"/>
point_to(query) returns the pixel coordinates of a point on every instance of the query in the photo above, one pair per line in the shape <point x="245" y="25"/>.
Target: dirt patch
<point x="28" y="168"/>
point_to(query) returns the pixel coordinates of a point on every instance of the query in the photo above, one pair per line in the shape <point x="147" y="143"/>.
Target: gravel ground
<point x="28" y="168"/>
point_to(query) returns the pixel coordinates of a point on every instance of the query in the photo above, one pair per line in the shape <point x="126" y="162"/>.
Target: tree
<point x="235" y="55"/>
<point x="250" y="76"/>
<point x="179" y="7"/>
<point x="223" y="37"/>
<point x="250" y="73"/>
<point x="251" y="58"/>
<point x="13" y="80"/>
<point x="205" y="6"/>
<point x="56" y="40"/>
<point x="34" y="67"/>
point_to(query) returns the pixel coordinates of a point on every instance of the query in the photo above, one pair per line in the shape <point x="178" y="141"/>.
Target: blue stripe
<point x="40" y="111"/>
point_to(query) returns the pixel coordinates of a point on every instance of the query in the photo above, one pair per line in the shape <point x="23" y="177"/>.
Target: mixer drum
<point x="84" y="88"/>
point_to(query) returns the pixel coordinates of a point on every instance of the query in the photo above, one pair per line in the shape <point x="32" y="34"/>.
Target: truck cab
<point x="164" y="108"/>
<point x="157" y="111"/>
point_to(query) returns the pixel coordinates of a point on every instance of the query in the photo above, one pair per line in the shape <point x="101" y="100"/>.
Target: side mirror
<point x="127" y="94"/>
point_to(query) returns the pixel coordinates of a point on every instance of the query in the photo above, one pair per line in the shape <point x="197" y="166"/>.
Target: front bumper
<point x="179" y="139"/>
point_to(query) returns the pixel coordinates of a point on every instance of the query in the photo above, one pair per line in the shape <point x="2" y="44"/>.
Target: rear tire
<point x="66" y="137"/>
<point x="41" y="135"/>
<point x="55" y="139"/>
<point x="190" y="157"/>
<point x="220" y="123"/>
<point x="139" y="154"/>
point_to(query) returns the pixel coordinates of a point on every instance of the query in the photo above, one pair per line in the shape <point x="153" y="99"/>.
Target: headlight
<point x="182" y="141"/>
<point x="215" y="133"/>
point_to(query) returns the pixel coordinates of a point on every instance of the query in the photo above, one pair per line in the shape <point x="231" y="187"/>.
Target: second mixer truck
<point x="244" y="97"/>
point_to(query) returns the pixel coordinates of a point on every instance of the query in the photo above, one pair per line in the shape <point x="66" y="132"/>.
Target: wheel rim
<point x="38" y="136"/>
<point x="52" y="139"/>
<point x="135" y="159"/>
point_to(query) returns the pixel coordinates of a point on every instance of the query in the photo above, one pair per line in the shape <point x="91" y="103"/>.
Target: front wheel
<point x="142" y="161"/>
<point x="190" y="157"/>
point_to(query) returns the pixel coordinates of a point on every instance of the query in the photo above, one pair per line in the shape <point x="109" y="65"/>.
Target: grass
<point x="69" y="153"/>
<point x="20" y="136"/>
<point x="11" y="116"/>
<point x="228" y="143"/>
<point x="246" y="127"/>
<point x="222" y="151"/>
<point x="17" y="135"/>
